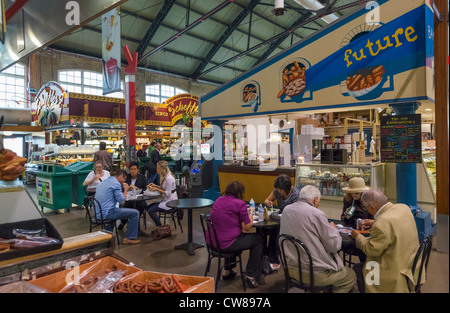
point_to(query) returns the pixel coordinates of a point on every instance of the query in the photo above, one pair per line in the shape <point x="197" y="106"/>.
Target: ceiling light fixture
<point x="270" y="120"/>
<point x="279" y="8"/>
<point x="287" y="119"/>
<point x="315" y="5"/>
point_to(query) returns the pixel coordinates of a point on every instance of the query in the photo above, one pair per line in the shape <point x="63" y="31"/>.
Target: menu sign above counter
<point x="401" y="139"/>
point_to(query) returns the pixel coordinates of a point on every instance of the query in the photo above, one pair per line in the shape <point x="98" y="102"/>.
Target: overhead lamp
<point x="270" y="120"/>
<point x="287" y="119"/>
<point x="279" y="8"/>
<point x="314" y="5"/>
<point x="379" y="110"/>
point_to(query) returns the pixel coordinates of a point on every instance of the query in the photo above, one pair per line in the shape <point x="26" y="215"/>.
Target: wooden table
<point x="189" y="205"/>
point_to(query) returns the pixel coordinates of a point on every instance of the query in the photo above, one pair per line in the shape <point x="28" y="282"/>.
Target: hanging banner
<point x="111" y="51"/>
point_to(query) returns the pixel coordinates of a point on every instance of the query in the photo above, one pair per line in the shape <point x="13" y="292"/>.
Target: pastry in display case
<point x="429" y="161"/>
<point x="331" y="178"/>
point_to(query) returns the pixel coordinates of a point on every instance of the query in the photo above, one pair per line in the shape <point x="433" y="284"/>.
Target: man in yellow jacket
<point x="391" y="248"/>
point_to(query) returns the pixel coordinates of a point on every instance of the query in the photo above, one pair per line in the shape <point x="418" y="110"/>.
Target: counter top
<point x="256" y="170"/>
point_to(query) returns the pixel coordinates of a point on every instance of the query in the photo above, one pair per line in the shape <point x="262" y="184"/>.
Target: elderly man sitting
<point x="391" y="248"/>
<point x="304" y="221"/>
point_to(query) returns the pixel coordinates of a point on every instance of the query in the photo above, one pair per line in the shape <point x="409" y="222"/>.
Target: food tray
<point x="6" y="232"/>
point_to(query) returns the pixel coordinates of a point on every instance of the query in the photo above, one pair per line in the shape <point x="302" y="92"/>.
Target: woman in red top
<point x="230" y="218"/>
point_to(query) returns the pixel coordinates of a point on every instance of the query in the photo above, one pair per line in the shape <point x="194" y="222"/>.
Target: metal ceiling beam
<point x="230" y="29"/>
<point x="195" y="23"/>
<point x="137" y="41"/>
<point x="129" y="13"/>
<point x="167" y="6"/>
<point x="275" y="44"/>
<point x="310" y="20"/>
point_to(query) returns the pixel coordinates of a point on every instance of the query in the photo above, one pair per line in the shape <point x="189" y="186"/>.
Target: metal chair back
<point x="300" y="251"/>
<point x="421" y="262"/>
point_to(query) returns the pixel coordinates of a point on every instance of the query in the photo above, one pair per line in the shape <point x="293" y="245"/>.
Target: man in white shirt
<point x="304" y="221"/>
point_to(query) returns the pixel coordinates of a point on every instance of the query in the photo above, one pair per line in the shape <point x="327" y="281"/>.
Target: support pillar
<point x="406" y="173"/>
<point x="130" y="105"/>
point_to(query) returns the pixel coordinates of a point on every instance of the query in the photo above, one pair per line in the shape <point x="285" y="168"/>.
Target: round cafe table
<point x="190" y="204"/>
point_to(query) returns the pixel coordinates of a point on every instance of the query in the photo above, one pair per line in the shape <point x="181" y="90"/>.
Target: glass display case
<point x="429" y="161"/>
<point x="331" y="178"/>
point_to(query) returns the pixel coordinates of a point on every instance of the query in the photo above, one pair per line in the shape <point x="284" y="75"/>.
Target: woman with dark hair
<point x="230" y="218"/>
<point x="284" y="193"/>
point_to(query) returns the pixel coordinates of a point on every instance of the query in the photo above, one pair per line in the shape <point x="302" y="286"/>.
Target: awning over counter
<point x="382" y="53"/>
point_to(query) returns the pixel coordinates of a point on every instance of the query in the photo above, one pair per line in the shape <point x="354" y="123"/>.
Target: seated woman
<point x="230" y="218"/>
<point x="168" y="191"/>
<point x="95" y="177"/>
<point x="284" y="193"/>
<point x="353" y="209"/>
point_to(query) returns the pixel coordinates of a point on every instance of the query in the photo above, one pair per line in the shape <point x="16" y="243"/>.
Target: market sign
<point x="99" y="109"/>
<point x="355" y="61"/>
<point x="401" y="138"/>
<point x="48" y="105"/>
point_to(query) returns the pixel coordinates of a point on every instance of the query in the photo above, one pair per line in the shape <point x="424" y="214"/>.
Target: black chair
<point x="214" y="250"/>
<point x="347" y="256"/>
<point x="91" y="207"/>
<point x="421" y="263"/>
<point x="299" y="250"/>
<point x="176" y="213"/>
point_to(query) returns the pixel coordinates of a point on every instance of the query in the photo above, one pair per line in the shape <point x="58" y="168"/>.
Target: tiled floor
<point x="160" y="256"/>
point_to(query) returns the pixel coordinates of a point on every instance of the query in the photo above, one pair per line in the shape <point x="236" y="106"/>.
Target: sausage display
<point x="168" y="284"/>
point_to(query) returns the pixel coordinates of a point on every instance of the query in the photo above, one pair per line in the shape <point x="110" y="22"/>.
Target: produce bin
<point x="80" y="170"/>
<point x="54" y="187"/>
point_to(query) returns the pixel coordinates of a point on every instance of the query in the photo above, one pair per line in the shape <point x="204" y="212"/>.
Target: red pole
<point x="130" y="104"/>
<point x="14" y="8"/>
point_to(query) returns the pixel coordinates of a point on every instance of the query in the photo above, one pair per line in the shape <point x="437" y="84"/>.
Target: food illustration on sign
<point x="364" y="81"/>
<point x="250" y="95"/>
<point x="294" y="82"/>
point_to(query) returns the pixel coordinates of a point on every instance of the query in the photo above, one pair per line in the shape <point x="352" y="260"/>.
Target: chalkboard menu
<point x="401" y="138"/>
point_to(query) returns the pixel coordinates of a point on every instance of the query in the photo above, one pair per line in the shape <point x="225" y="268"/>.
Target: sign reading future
<point x="401" y="139"/>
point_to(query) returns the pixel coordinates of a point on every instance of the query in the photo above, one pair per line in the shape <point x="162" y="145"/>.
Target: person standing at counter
<point x="306" y="222"/>
<point x="230" y="218"/>
<point x="284" y="193"/>
<point x="95" y="177"/>
<point x="111" y="192"/>
<point x="155" y="157"/>
<point x="104" y="156"/>
<point x="392" y="245"/>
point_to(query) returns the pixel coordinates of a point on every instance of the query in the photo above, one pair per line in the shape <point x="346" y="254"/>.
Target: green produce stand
<point x="80" y="170"/>
<point x="54" y="187"/>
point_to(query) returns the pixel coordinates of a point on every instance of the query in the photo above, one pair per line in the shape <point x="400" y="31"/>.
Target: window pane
<point x="152" y="90"/>
<point x="152" y="99"/>
<point x="167" y="91"/>
<point x="179" y="91"/>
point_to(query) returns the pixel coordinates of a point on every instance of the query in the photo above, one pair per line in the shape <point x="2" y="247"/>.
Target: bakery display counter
<point x="331" y="178"/>
<point x="258" y="180"/>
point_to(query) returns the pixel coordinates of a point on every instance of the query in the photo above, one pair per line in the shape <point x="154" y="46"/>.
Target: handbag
<point x="162" y="232"/>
